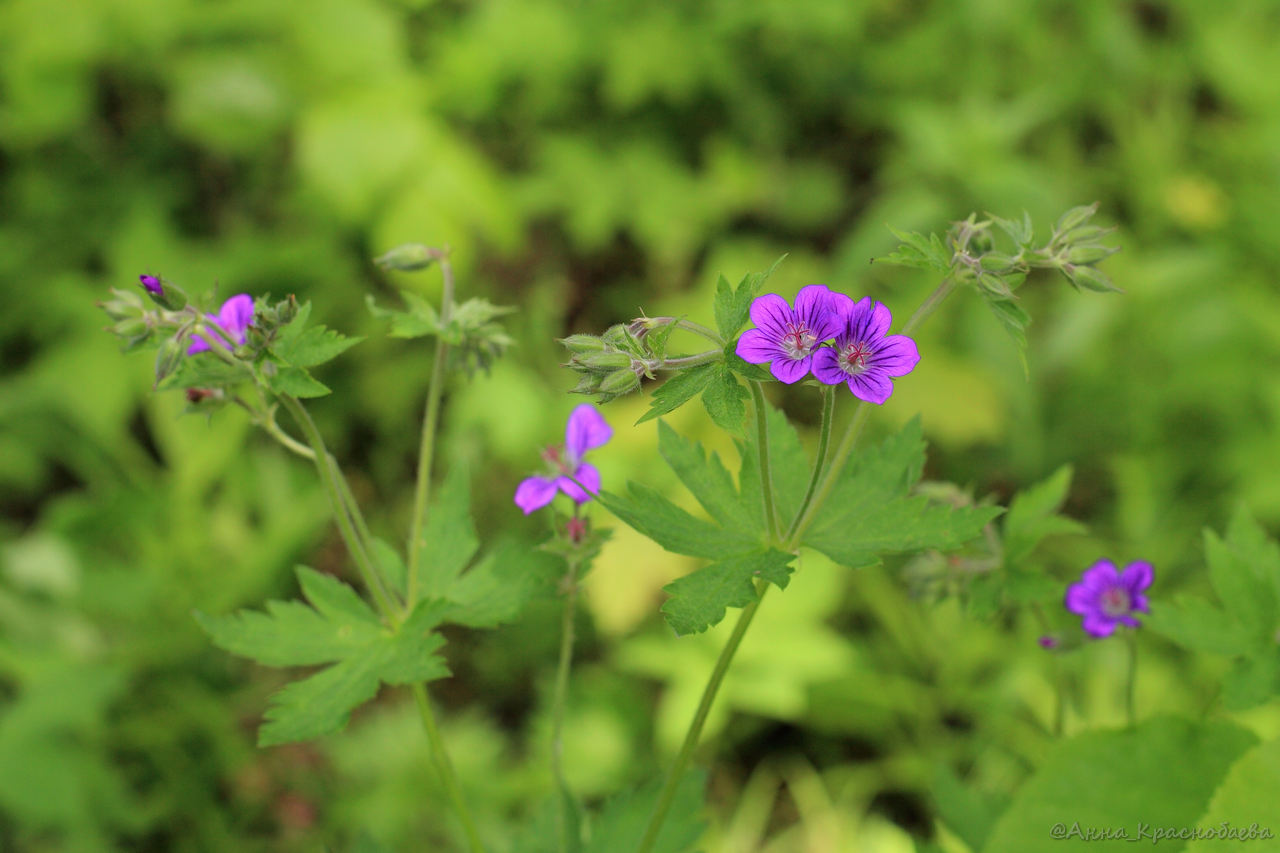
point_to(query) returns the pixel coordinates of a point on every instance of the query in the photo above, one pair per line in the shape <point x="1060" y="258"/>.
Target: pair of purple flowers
<point x="862" y="354"/>
<point x="233" y="318"/>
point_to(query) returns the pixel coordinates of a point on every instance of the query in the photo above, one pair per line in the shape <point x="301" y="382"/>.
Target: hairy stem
<point x="558" y="701"/>
<point x="335" y="486"/>
<point x="1132" y="639"/>
<point x="762" y="442"/>
<point x="824" y="439"/>
<point x="690" y="326"/>
<point x="684" y="361"/>
<point x="672" y="781"/>
<point x="426" y="449"/>
<point x="445" y="768"/>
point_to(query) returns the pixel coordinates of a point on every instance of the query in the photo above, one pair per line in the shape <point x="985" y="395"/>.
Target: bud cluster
<point x="609" y="365"/>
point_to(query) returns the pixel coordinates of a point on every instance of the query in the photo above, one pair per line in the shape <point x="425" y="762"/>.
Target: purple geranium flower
<point x="152" y="285"/>
<point x="586" y="430"/>
<point x="790" y="337"/>
<point x="1106" y="597"/>
<point x="234" y="317"/>
<point x="863" y="355"/>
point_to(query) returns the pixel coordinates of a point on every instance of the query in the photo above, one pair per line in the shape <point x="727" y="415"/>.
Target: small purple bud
<point x="152" y="285"/>
<point x="1048" y="641"/>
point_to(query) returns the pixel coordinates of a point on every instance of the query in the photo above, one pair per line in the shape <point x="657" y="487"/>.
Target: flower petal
<point x="198" y="344"/>
<point x="1129" y="621"/>
<point x="1137" y="576"/>
<point x="152" y="284"/>
<point x="874" y="387"/>
<point x="1081" y="599"/>
<point x="826" y="366"/>
<point x="869" y="321"/>
<point x="790" y="370"/>
<point x="1101" y="575"/>
<point x="771" y="313"/>
<point x="1099" y="625"/>
<point x="236" y="315"/>
<point x="817" y="308"/>
<point x="757" y="347"/>
<point x="586" y="429"/>
<point x="588" y="476"/>
<point x="534" y="493"/>
<point x="1138" y="602"/>
<point x="896" y="355"/>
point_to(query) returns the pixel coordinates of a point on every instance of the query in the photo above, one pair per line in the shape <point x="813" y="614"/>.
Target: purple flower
<point x="152" y="285"/>
<point x="790" y="337"/>
<point x="235" y="315"/>
<point x="586" y="429"/>
<point x="1048" y="641"/>
<point x="863" y="355"/>
<point x="1106" y="597"/>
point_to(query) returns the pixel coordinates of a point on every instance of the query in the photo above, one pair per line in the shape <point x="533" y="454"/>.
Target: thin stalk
<point x="445" y="768"/>
<point x="331" y="477"/>
<point x="859" y="419"/>
<point x="558" y="699"/>
<point x="690" y="326"/>
<point x="686" y="360"/>
<point x="669" y="785"/>
<point x="426" y="449"/>
<point x="762" y="442"/>
<point x="1132" y="638"/>
<point x="824" y="439"/>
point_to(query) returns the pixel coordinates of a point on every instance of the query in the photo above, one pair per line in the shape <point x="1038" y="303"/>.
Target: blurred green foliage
<point x="587" y="162"/>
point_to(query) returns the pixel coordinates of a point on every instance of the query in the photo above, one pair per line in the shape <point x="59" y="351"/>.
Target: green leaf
<point x="1033" y="516"/>
<point x="338" y="628"/>
<point x="917" y="250"/>
<point x="1196" y="624"/>
<point x="726" y="400"/>
<point x="1019" y="231"/>
<point x="1160" y="773"/>
<point x="699" y="599"/>
<point x="1247" y="793"/>
<point x="870" y="513"/>
<point x="745" y="369"/>
<point x="966" y="811"/>
<point x="678" y="390"/>
<point x="313" y="347"/>
<point x="789" y="468"/>
<point x="1015" y="322"/>
<point x="622" y="823"/>
<point x="419" y="321"/>
<point x="707" y="479"/>
<point x="1252" y="680"/>
<point x="296" y="382"/>
<point x="389" y="562"/>
<point x="732" y="307"/>
<point x="649" y="512"/>
<point x="449" y="537"/>
<point x="496" y="590"/>
<point x="1243" y="592"/>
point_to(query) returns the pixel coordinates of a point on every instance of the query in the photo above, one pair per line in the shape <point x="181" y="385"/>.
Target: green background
<point x="588" y="162"/>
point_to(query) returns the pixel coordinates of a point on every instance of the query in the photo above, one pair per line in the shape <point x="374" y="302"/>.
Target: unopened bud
<point x="407" y="258"/>
<point x="168" y="357"/>
<point x="996" y="262"/>
<point x="1090" y="279"/>
<point x="1075" y="216"/>
<point x="1090" y="254"/>
<point x="615" y="335"/>
<point x="589" y="383"/>
<point x="603" y="361"/>
<point x="582" y="344"/>
<point x="123" y="305"/>
<point x="619" y="382"/>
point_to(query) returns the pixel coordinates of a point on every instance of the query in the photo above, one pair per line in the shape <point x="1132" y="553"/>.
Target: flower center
<point x="854" y="357"/>
<point x="1115" y="602"/>
<point x="553" y="455"/>
<point x="798" y="340"/>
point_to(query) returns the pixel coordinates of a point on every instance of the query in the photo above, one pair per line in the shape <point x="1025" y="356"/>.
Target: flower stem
<point x="824" y="439"/>
<point x="426" y="449"/>
<point x="445" y="768"/>
<point x="1132" y="639"/>
<point x="335" y="485"/>
<point x="685" y="361"/>
<point x="762" y="442"/>
<point x="672" y="781"/>
<point x="566" y="824"/>
<point x="690" y="326"/>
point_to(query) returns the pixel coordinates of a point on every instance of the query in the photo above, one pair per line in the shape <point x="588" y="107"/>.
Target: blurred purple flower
<point x="585" y="430"/>
<point x="864" y="356"/>
<point x="152" y="285"/>
<point x="790" y="337"/>
<point x="1106" y="597"/>
<point x="1048" y="641"/>
<point x="235" y="315"/>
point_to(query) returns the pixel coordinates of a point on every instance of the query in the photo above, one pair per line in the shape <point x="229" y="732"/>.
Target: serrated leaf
<point x="870" y="513"/>
<point x="1243" y="593"/>
<point x="1014" y="321"/>
<point x="338" y="628"/>
<point x="419" y="321"/>
<point x="699" y="599"/>
<point x="1019" y="231"/>
<point x="448" y="538"/>
<point x="1160" y="773"/>
<point x="204" y="370"/>
<point x="726" y="400"/>
<point x="495" y="590"/>
<point x="649" y="512"/>
<point x="706" y="478"/>
<point x="790" y="470"/>
<point x="966" y="811"/>
<point x="917" y="250"/>
<point x="1033" y="515"/>
<point x="296" y="382"/>
<point x="313" y="346"/>
<point x="678" y="390"/>
<point x="1252" y="680"/>
<point x="732" y="307"/>
<point x="389" y="562"/>
<point x="745" y="369"/>
<point x="1248" y="792"/>
<point x="622" y="823"/>
<point x="1196" y="624"/>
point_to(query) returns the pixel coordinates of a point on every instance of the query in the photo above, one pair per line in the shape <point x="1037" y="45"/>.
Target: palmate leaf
<point x="870" y="512"/>
<point x="699" y="599"/>
<point x="303" y="346"/>
<point x="337" y="628"/>
<point x="733" y="304"/>
<point x="625" y="817"/>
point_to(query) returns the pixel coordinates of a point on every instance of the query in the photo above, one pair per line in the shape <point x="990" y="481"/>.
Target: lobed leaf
<point x="726" y="400"/>
<point x="678" y="390"/>
<point x="622" y="823"/>
<point x="699" y="599"/>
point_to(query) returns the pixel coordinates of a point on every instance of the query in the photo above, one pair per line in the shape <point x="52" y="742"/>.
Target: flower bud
<point x="603" y="361"/>
<point x="1089" y="279"/>
<point x="1090" y="254"/>
<point x="588" y="383"/>
<point x="168" y="357"/>
<point x="996" y="262"/>
<point x="407" y="258"/>
<point x="125" y="305"/>
<point x="1075" y="216"/>
<point x="619" y="382"/>
<point x="582" y="344"/>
